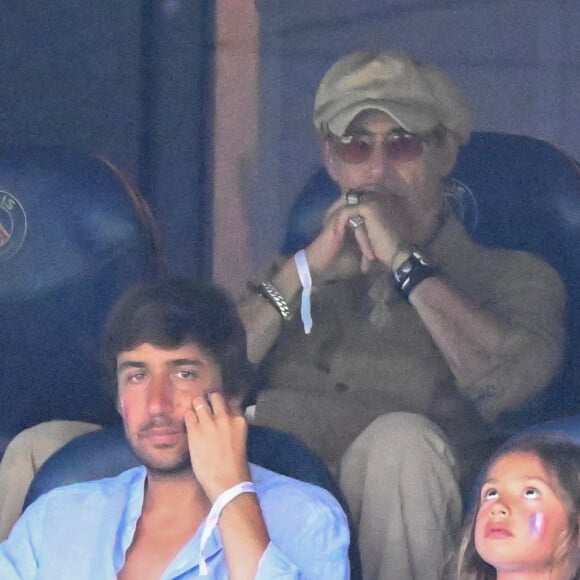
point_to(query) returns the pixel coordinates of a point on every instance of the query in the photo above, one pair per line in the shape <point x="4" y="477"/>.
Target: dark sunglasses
<point x="399" y="146"/>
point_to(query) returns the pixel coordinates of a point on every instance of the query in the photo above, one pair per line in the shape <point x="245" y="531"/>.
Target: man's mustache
<point x="163" y="421"/>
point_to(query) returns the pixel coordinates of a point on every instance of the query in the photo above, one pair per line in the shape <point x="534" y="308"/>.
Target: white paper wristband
<point x="214" y="513"/>
<point x="306" y="281"/>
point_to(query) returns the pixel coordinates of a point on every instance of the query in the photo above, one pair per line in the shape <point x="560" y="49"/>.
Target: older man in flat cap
<point x="412" y="338"/>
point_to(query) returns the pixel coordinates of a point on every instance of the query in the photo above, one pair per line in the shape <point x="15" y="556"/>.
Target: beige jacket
<point x="369" y="352"/>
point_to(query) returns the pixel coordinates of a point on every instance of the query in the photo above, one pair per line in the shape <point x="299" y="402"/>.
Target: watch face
<point x="406" y="268"/>
<point x="422" y="259"/>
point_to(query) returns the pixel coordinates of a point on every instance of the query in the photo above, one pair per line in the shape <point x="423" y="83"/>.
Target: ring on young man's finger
<point x="198" y="407"/>
<point x="356" y="222"/>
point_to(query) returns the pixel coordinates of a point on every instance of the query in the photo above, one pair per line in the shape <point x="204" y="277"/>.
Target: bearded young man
<point x="196" y="507"/>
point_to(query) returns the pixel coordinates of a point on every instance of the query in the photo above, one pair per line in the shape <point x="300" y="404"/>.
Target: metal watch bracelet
<point x="268" y="291"/>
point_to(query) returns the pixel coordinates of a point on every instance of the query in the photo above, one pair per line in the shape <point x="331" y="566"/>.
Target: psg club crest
<point x="12" y="225"/>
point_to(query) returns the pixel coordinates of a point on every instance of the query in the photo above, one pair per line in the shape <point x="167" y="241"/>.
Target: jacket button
<point x="340" y="387"/>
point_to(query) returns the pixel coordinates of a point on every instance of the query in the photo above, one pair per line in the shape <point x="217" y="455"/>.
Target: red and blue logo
<point x="13" y="225"/>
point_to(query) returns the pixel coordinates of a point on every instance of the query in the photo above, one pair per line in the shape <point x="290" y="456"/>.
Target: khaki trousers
<point x="23" y="457"/>
<point x="400" y="479"/>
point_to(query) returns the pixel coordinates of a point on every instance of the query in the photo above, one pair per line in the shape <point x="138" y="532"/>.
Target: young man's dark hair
<point x="171" y="313"/>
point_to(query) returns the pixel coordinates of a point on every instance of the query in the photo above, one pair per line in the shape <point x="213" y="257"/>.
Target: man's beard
<point x="184" y="466"/>
<point x="174" y="465"/>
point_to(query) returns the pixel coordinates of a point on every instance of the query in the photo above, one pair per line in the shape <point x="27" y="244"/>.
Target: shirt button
<point x="340" y="387"/>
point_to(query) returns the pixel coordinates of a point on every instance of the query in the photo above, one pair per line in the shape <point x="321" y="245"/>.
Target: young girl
<point x="525" y="522"/>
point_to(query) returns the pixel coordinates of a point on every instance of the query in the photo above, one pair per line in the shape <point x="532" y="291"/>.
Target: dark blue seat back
<point x="73" y="238"/>
<point x="105" y="453"/>
<point x="519" y="193"/>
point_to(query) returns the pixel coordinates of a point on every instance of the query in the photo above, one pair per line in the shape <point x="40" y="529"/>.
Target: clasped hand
<point x="341" y="252"/>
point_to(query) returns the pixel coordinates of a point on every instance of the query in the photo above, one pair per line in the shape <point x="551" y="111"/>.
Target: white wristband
<point x="306" y="281"/>
<point x="214" y="513"/>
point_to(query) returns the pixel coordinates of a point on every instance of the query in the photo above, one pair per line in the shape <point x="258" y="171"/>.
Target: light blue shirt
<point x="82" y="532"/>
